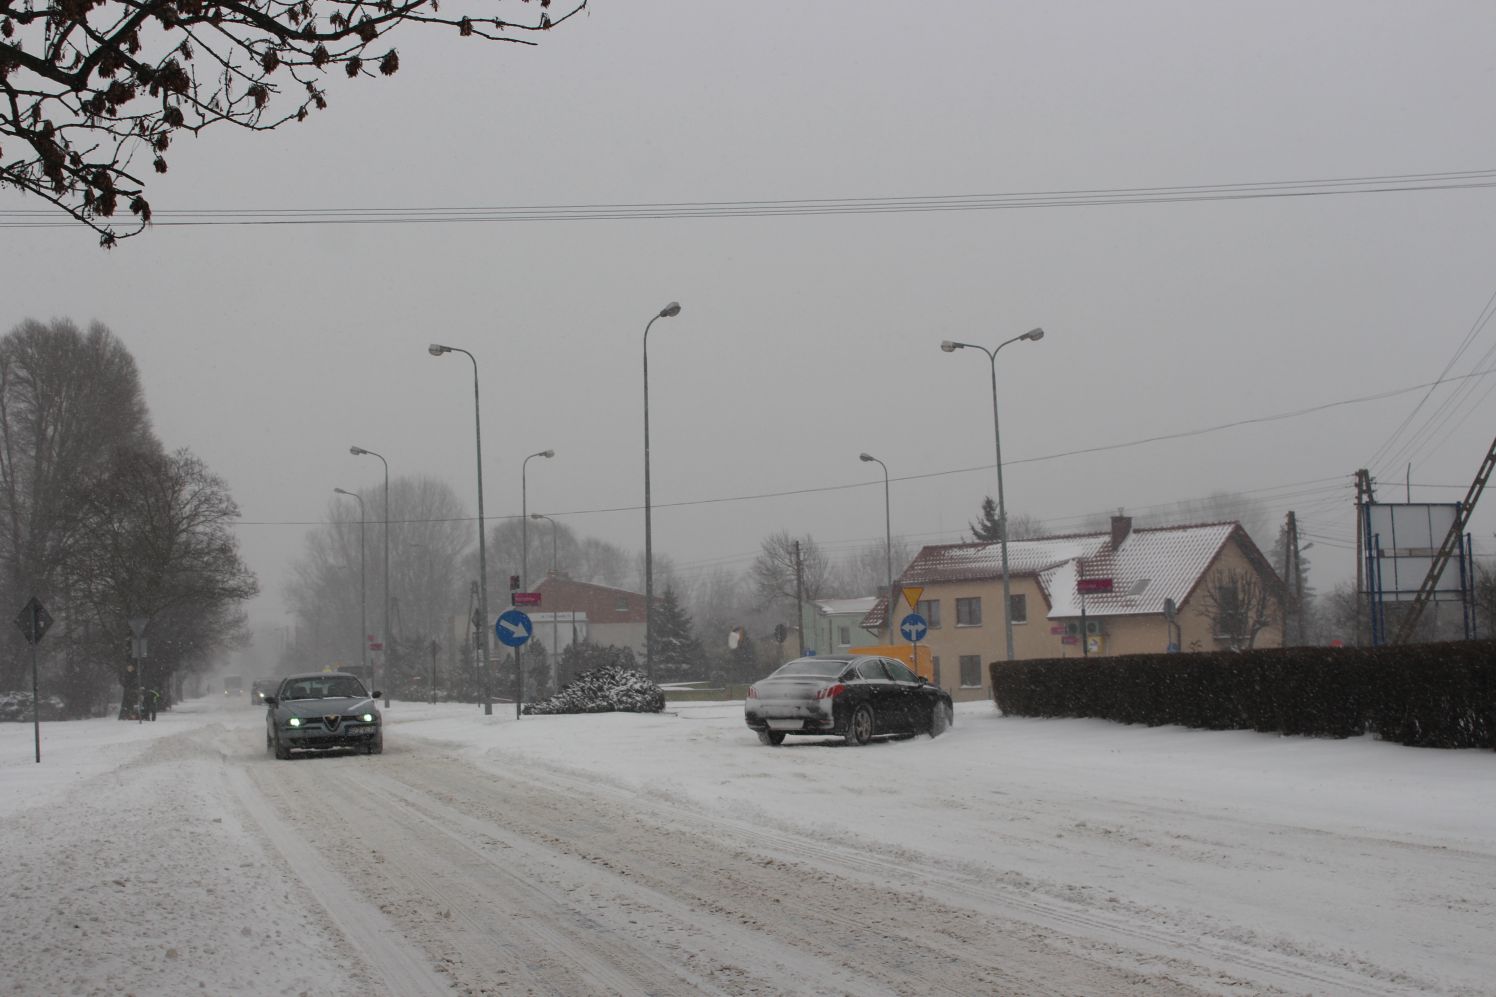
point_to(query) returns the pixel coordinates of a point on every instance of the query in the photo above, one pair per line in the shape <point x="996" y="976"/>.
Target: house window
<point x="1018" y="608"/>
<point x="935" y="668"/>
<point x="930" y="610"/>
<point x="971" y="671"/>
<point x="969" y="612"/>
<point x="844" y="636"/>
<point x="621" y="604"/>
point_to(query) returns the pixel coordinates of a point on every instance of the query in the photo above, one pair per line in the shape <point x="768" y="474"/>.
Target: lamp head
<point x="437" y="349"/>
<point x="671" y="310"/>
<point x="1034" y="334"/>
<point x="547" y="453"/>
<point x="342" y="492"/>
<point x="950" y="346"/>
<point x="866" y="456"/>
<point x="356" y="451"/>
<point x="537" y="515"/>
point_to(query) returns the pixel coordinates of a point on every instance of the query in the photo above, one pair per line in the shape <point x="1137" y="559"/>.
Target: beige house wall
<point x="1142" y="634"/>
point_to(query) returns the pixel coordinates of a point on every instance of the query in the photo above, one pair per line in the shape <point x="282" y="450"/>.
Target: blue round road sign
<point x="513" y="628"/>
<point x="914" y="628"/>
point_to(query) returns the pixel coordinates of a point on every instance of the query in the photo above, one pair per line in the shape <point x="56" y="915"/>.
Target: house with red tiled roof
<point x="1124" y="591"/>
<point x="582" y="611"/>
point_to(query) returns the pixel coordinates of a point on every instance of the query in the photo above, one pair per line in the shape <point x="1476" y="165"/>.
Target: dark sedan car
<point x="855" y="696"/>
<point x="322" y="710"/>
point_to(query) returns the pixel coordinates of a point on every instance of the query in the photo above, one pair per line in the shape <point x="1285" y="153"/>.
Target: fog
<point x="1265" y="346"/>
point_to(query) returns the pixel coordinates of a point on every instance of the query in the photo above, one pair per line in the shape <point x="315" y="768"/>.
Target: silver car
<point x="322" y="710"/>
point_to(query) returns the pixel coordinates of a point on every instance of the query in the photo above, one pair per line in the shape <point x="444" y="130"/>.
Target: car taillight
<point x="752" y="692"/>
<point x="831" y="691"/>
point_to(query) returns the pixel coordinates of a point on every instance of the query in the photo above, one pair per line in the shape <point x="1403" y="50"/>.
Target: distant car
<point x="857" y="697"/>
<point x="233" y="685"/>
<point x="322" y="710"/>
<point x="260" y="689"/>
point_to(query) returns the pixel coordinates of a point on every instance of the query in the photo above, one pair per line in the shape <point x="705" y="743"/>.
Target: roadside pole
<point x="34" y="621"/>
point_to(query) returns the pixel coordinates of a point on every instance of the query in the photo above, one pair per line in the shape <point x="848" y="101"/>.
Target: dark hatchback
<point x="322" y="710"/>
<point x="857" y="697"/>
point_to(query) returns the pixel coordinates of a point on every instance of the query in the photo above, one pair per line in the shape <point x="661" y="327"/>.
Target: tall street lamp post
<point x="887" y="542"/>
<point x="669" y="311"/>
<point x="481" y="625"/>
<point x="359" y="452"/>
<point x="524" y="575"/>
<point x="363" y="601"/>
<point x="951" y="346"/>
<point x="555" y="632"/>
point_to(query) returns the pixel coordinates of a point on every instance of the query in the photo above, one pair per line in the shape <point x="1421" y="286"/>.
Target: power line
<point x="1395" y="183"/>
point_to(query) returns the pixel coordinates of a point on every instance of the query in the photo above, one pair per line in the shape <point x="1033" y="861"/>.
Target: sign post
<point x="513" y="629"/>
<point x="1095" y="586"/>
<point x="34" y="621"/>
<point x="137" y="651"/>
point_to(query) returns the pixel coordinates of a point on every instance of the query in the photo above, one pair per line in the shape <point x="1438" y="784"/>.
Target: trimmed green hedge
<point x="1427" y="695"/>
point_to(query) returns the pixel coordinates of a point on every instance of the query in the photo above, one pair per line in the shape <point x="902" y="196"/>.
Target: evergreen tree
<point x="987" y="527"/>
<point x="679" y="655"/>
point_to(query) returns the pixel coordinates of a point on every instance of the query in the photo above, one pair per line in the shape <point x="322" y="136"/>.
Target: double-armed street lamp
<point x="950" y="346"/>
<point x="480" y="625"/>
<point x="524" y="520"/>
<point x="359" y="452"/>
<point x="363" y="601"/>
<point x="887" y="543"/>
<point x="669" y="311"/>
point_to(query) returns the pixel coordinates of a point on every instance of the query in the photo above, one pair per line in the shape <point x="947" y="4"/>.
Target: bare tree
<point x="773" y="571"/>
<point x="1240" y="606"/>
<point x="86" y="86"/>
<point x="865" y="570"/>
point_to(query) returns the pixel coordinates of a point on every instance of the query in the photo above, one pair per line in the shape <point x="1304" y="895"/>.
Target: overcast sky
<point x="804" y="340"/>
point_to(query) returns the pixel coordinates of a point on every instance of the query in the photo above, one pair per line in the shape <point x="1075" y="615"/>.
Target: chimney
<point x="1121" y="527"/>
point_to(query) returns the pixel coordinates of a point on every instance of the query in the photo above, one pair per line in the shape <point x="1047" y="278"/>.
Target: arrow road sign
<point x="913" y="627"/>
<point x="513" y="628"/>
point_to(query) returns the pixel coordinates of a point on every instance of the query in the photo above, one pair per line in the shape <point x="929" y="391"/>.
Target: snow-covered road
<point x="676" y="855"/>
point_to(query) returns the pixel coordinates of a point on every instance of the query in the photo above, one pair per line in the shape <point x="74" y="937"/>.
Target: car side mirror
<point x="375" y="694"/>
<point x="922" y="680"/>
<point x="271" y="701"/>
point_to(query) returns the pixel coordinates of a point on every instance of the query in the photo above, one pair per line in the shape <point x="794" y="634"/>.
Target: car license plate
<point x="786" y="724"/>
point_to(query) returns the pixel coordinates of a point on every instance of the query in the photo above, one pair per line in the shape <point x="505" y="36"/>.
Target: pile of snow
<point x="605" y="690"/>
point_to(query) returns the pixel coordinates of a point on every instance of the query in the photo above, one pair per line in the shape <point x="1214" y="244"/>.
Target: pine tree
<point x="678" y="653"/>
<point x="987" y="527"/>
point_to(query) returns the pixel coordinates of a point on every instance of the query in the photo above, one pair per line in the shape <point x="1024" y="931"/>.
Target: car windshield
<point x="822" y="667"/>
<point x="332" y="687"/>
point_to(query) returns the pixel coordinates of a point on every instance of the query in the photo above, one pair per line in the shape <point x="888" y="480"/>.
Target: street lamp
<point x="887" y="542"/>
<point x="524" y="521"/>
<point x="555" y="635"/>
<point x="481" y="625"/>
<point x="363" y="601"/>
<point x="359" y="452"/>
<point x="669" y="311"/>
<point x="950" y="346"/>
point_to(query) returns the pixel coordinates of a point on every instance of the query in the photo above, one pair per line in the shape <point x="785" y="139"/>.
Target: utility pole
<point x="800" y="599"/>
<point x="1364" y="495"/>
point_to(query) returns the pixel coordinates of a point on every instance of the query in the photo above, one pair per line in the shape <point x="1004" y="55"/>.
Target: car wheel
<point x="771" y="737"/>
<point x="376" y="746"/>
<point x="281" y="751"/>
<point x="860" y="727"/>
<point x="940" y="719"/>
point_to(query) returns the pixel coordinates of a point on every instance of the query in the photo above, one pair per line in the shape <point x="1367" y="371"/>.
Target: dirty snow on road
<point x="674" y="854"/>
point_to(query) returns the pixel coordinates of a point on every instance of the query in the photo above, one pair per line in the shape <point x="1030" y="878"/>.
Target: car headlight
<point x="294" y="722"/>
<point x="367" y="718"/>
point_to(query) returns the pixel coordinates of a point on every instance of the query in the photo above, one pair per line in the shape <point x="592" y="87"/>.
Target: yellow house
<point x="1126" y="591"/>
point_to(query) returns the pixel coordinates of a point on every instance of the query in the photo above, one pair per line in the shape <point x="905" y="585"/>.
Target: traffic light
<point x="514" y="583"/>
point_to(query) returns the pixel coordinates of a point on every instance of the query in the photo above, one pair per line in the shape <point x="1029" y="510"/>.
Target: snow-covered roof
<point x="845" y="607"/>
<point x="1149" y="566"/>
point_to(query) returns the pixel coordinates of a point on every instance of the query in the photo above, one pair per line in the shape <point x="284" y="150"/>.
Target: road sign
<point x="34" y="620"/>
<point x="1093" y="586"/>
<point x="513" y="628"/>
<point x="912" y="594"/>
<point x="524" y="599"/>
<point x="913" y="627"/>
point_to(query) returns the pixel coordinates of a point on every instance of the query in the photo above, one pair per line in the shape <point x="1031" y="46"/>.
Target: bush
<point x="1432" y="695"/>
<point x="610" y="689"/>
<point x="15" y="707"/>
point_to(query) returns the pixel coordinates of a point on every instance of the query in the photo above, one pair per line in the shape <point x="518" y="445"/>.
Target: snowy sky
<point x="805" y="340"/>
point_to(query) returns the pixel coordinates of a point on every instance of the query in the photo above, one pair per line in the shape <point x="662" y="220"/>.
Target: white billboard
<point x="1404" y="539"/>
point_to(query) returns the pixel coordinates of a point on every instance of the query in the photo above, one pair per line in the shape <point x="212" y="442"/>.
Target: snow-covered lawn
<point x="142" y="858"/>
